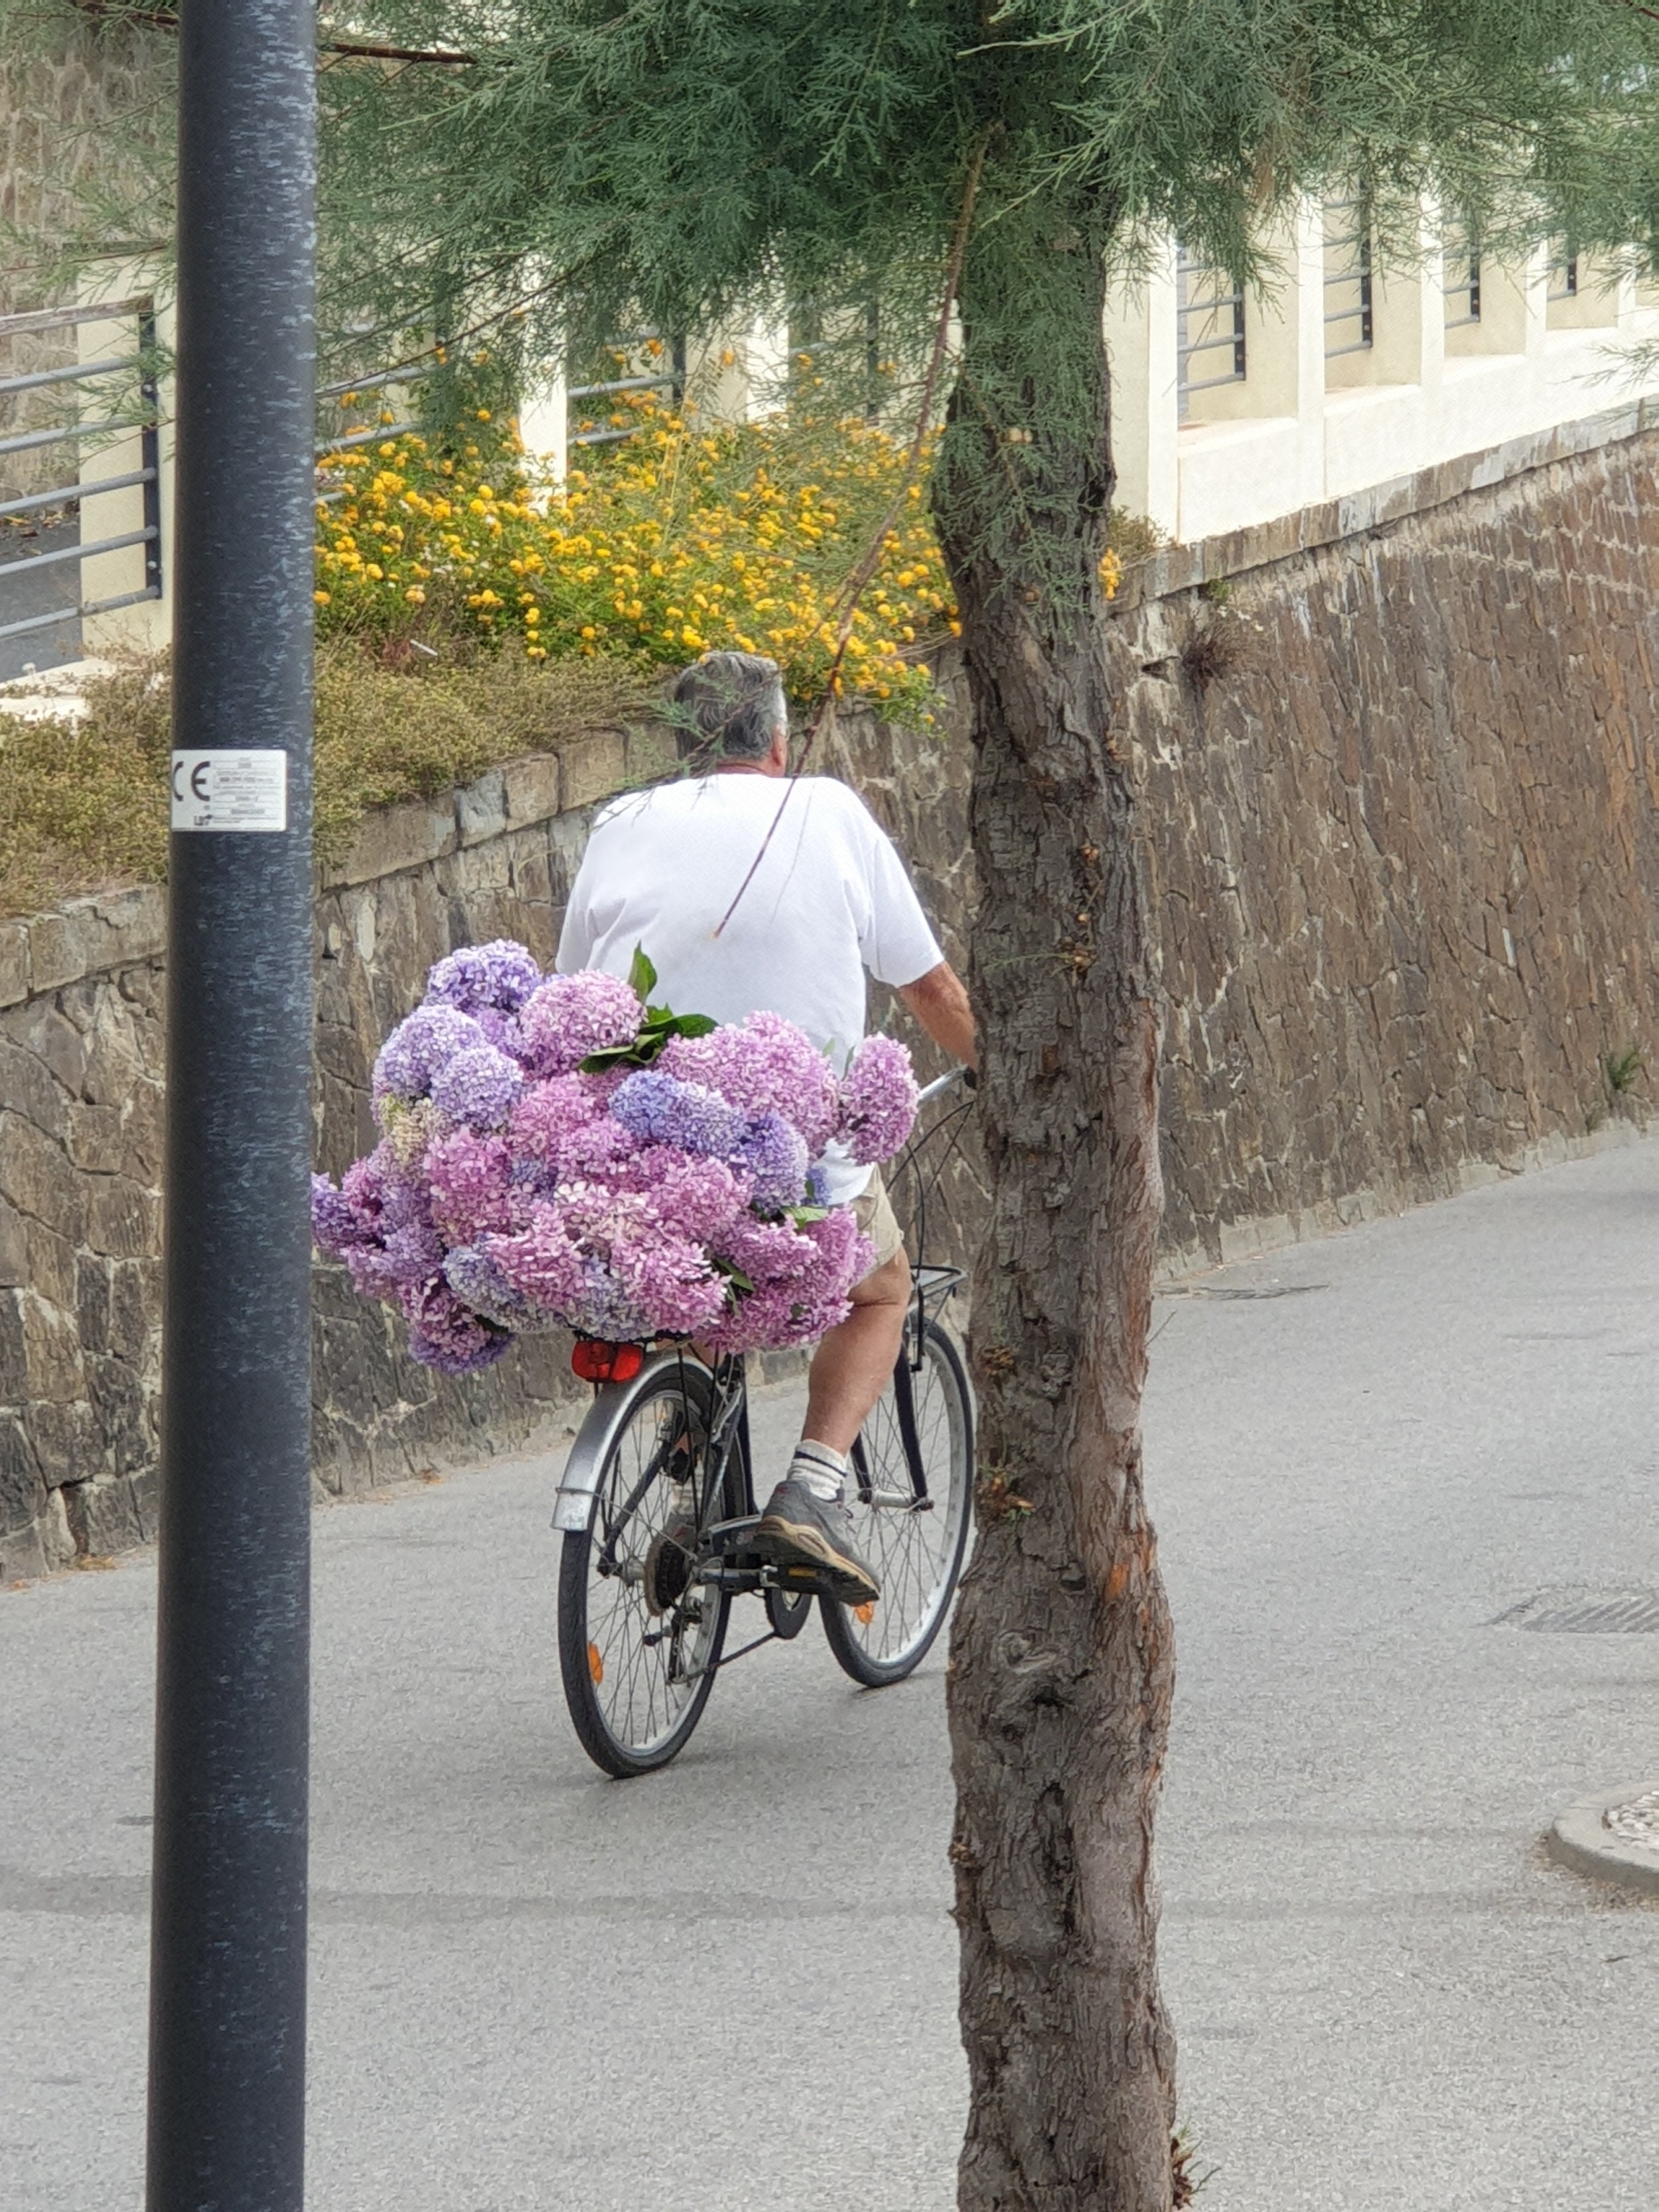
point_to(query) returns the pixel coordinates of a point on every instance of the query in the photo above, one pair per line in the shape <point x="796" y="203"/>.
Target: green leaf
<point x="641" y="975"/>
<point x="694" y="1025"/>
<point x="800" y="1215"/>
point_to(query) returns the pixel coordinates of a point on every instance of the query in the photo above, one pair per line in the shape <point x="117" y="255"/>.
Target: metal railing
<point x="1461" y="282"/>
<point x="1562" y="275"/>
<point x="671" y="380"/>
<point x="1209" y="330"/>
<point x="67" y="494"/>
<point x="1350" y="325"/>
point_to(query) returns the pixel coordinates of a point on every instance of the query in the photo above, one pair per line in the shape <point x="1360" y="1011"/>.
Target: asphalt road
<point x="731" y="1986"/>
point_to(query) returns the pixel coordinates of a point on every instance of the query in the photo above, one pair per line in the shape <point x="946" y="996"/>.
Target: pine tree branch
<point x="857" y="582"/>
<point x="167" y="19"/>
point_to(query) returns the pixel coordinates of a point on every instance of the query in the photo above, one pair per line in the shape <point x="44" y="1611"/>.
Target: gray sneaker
<point x="801" y="1529"/>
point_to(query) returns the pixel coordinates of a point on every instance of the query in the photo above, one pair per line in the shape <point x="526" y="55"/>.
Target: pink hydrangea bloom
<point x="595" y="1153"/>
<point x="879" y="1097"/>
<point x="767" y="1065"/>
<point x="550" y="1111"/>
<point x="568" y="1017"/>
<point x="512" y="1192"/>
<point x="542" y="1261"/>
<point x="696" y="1199"/>
<point x="767" y="1251"/>
<point x="470" y="1178"/>
<point x="671" y="1281"/>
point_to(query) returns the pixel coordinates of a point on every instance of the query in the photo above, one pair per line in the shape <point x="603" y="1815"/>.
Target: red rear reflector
<point x="597" y="1362"/>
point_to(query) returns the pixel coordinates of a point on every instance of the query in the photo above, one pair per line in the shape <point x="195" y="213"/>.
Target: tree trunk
<point x="1061" y="1660"/>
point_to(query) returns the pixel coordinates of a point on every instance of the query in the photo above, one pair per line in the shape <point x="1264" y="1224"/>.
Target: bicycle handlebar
<point x="942" y="1083"/>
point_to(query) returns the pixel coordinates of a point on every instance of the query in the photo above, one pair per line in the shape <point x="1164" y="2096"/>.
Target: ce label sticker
<point x="233" y="791"/>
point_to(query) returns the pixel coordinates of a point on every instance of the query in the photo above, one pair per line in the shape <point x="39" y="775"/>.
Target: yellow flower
<point x="415" y="596"/>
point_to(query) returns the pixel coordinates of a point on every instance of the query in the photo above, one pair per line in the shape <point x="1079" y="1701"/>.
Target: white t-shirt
<point x="829" y="899"/>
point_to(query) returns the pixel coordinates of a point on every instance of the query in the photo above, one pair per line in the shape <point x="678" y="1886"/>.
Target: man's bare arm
<point x="940" y="1004"/>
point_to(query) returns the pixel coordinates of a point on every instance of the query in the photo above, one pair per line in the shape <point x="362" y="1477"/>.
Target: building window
<point x="1461" y="282"/>
<point x="1210" y="340"/>
<point x="1564" y="274"/>
<point x="1349" y="323"/>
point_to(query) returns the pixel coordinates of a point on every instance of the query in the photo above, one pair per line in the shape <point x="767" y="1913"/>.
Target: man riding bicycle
<point x="829" y="898"/>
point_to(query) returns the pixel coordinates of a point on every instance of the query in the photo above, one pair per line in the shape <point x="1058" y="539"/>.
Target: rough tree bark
<point x="1061" y="1661"/>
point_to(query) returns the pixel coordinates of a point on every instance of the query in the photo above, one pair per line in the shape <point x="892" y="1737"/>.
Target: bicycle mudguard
<point x="581" y="1479"/>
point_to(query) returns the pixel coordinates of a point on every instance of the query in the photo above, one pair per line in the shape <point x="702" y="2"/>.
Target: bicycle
<point x="656" y="1506"/>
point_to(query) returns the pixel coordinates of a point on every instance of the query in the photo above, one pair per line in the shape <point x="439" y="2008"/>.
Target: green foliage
<point x="1624" y="1071"/>
<point x="587" y="171"/>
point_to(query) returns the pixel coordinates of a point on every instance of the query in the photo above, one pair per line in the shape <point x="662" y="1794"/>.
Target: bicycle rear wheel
<point x="639" y="1640"/>
<point x="913" y="1534"/>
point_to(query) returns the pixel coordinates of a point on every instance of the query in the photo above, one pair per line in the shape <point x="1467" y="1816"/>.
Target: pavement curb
<point x="1579" y="1837"/>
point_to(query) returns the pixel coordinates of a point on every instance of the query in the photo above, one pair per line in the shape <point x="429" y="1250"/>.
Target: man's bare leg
<point x="806" y="1524"/>
<point x="851" y="1365"/>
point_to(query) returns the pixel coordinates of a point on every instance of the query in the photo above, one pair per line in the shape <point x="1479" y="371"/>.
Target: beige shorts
<point x="873" y="1212"/>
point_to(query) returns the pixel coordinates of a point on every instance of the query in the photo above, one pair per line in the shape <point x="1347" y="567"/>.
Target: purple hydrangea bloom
<point x="336" y="1224"/>
<point x="479" y="1283"/>
<point x="877" y="1100"/>
<point x="775" y="1155"/>
<point x="379" y="1223"/>
<point x="419" y="1047"/>
<point x="602" y="1308"/>
<point x="763" y="1065"/>
<point x="478" y="1088"/>
<point x="501" y="1030"/>
<point x="502" y="975"/>
<point x="660" y="1110"/>
<point x="803" y="1307"/>
<point x="443" y="1333"/>
<point x="406" y="1258"/>
<point x="568" y="1017"/>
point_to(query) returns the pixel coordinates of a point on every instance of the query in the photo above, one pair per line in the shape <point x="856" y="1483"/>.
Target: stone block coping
<point x="1581" y="1838"/>
<point x="116" y="929"/>
<point x="1235" y="552"/>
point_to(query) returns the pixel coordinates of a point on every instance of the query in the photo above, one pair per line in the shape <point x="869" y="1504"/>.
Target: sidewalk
<point x="733" y="1985"/>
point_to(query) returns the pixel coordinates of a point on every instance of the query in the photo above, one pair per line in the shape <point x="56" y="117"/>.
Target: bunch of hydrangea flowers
<point x="557" y="1152"/>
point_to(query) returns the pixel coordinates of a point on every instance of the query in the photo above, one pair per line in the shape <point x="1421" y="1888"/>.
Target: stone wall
<point x="1402" y="820"/>
<point x="1403" y="842"/>
<point x="63" y="85"/>
<point x="81" y="1072"/>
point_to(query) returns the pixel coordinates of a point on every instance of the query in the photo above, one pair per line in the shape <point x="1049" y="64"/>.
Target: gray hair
<point x="728" y="706"/>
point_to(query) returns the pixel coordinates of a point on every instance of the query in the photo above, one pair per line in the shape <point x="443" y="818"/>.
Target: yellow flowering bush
<point x="676" y="540"/>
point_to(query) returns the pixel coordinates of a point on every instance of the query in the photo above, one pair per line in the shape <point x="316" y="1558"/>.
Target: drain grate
<point x="1636" y="1822"/>
<point x="1576" y="1610"/>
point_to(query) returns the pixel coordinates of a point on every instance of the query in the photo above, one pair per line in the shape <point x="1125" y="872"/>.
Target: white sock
<point x="820" y="1467"/>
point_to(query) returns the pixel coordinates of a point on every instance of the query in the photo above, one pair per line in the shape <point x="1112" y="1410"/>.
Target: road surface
<point x="731" y="1986"/>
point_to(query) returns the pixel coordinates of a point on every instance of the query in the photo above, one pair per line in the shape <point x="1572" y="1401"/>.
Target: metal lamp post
<point x="226" y="2072"/>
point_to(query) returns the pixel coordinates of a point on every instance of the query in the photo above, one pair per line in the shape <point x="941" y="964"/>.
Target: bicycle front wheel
<point x="639" y="1640"/>
<point x="910" y="1501"/>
